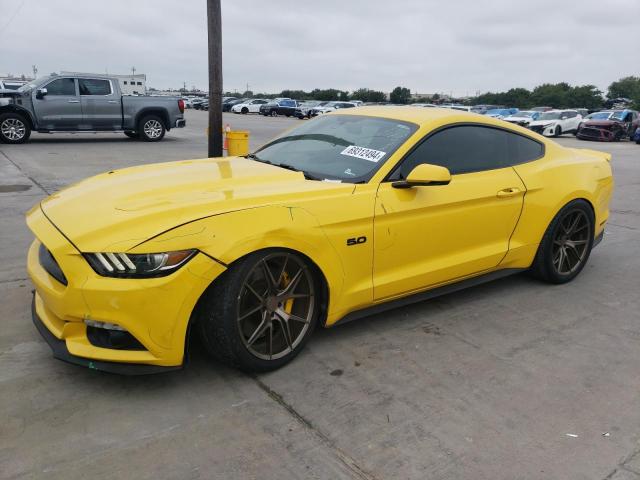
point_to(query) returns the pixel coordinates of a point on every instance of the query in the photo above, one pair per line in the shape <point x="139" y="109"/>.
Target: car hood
<point x="115" y="211"/>
<point x="542" y="122"/>
<point x="517" y="119"/>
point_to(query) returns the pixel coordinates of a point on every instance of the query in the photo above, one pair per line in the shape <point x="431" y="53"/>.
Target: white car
<point x="330" y="107"/>
<point x="556" y="122"/>
<point x="250" y="106"/>
<point x="523" y="117"/>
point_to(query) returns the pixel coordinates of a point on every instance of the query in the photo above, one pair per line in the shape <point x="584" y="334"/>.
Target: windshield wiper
<point x="307" y="175"/>
<point x="253" y="156"/>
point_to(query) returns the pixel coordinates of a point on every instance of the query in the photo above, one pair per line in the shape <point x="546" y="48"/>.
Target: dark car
<point x="285" y="107"/>
<point x="609" y="125"/>
<point x="226" y="106"/>
<point x="636" y="137"/>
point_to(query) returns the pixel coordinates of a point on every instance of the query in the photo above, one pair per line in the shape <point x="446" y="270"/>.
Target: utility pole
<point x="214" y="28"/>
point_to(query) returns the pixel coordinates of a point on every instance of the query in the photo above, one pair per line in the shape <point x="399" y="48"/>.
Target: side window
<point x="90" y="86"/>
<point x="61" y="86"/>
<point x="470" y="148"/>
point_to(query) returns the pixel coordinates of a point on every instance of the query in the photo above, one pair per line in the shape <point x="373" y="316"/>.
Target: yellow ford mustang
<point x="348" y="214"/>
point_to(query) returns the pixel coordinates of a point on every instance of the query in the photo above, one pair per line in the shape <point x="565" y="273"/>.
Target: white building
<point x="129" y="84"/>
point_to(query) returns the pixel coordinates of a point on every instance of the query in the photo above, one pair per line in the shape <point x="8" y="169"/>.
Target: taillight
<point x="181" y="105"/>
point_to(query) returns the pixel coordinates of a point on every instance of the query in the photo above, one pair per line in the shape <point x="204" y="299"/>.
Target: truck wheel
<point x="14" y="128"/>
<point x="151" y="128"/>
<point x="131" y="134"/>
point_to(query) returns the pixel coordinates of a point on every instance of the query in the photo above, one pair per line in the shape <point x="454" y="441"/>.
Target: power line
<point x="12" y="17"/>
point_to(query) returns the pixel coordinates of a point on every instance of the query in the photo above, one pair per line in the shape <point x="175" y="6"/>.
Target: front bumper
<point x="546" y="130"/>
<point x="61" y="352"/>
<point x="155" y="311"/>
<point x="597" y="134"/>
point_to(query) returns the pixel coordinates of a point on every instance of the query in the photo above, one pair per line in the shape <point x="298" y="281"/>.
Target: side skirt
<point x="428" y="294"/>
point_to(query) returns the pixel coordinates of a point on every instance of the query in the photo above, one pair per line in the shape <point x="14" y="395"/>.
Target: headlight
<point x="138" y="265"/>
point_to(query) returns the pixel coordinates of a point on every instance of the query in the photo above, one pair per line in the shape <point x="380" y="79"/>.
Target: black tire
<point x="218" y="318"/>
<point x="133" y="135"/>
<point x="558" y="131"/>
<point x="14" y="128"/>
<point x="544" y="267"/>
<point x="151" y="128"/>
<point x="274" y="113"/>
<point x="245" y="110"/>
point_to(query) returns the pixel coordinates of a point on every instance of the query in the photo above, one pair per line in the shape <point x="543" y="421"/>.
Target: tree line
<point x="557" y="95"/>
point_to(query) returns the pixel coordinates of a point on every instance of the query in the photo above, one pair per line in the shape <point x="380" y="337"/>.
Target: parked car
<point x="286" y="107"/>
<point x="85" y="103"/>
<point x="636" y="136"/>
<point x="249" y="106"/>
<point x="609" y="125"/>
<point x="482" y="109"/>
<point x="329" y="107"/>
<point x="252" y="253"/>
<point x="227" y="106"/>
<point x="501" y="113"/>
<point x="523" y="117"/>
<point x="304" y="108"/>
<point x="196" y="104"/>
<point x="556" y="122"/>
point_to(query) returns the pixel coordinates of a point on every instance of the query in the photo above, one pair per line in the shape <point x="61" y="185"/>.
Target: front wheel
<point x="566" y="245"/>
<point x="274" y="113"/>
<point x="14" y="128"/>
<point x="557" y="132"/>
<point x="261" y="312"/>
<point x="152" y="128"/>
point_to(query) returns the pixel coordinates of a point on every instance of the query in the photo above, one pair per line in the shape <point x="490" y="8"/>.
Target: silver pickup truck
<point x="83" y="103"/>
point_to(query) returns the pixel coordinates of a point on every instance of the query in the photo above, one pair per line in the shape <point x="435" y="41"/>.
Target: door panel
<point x="101" y="107"/>
<point x="425" y="236"/>
<point x="60" y="109"/>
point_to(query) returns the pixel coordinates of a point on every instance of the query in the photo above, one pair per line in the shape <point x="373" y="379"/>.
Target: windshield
<point x="549" y="116"/>
<point x="338" y="147"/>
<point x="524" y="114"/>
<point x="32" y="84"/>
<point x="599" y="116"/>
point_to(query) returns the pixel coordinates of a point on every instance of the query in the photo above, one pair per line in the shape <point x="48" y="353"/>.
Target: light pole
<point x="214" y="28"/>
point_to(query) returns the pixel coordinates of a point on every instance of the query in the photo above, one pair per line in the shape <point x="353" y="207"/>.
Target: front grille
<point x="590" y="132"/>
<point x="51" y="265"/>
<point x="537" y="128"/>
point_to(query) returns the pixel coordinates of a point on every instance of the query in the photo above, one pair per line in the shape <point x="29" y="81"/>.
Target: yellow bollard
<point x="238" y="143"/>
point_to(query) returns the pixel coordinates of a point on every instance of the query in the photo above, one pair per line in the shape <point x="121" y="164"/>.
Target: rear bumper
<point x="60" y="351"/>
<point x="181" y="123"/>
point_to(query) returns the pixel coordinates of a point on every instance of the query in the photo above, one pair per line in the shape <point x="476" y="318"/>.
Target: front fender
<point x="234" y="235"/>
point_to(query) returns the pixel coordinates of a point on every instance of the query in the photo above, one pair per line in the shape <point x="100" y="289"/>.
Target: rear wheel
<point x="566" y="245"/>
<point x="14" y="128"/>
<point x="259" y="315"/>
<point x="151" y="128"/>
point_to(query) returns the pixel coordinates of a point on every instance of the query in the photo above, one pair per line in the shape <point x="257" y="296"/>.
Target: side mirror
<point x="425" y="174"/>
<point x="41" y="92"/>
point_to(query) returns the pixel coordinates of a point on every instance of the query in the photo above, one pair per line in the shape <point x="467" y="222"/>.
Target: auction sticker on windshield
<point x="364" y="153"/>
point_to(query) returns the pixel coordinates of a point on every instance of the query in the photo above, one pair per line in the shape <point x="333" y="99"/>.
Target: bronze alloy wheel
<point x="571" y="242"/>
<point x="276" y="304"/>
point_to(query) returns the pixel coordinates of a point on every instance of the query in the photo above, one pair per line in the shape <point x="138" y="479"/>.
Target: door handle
<point x="508" y="192"/>
<point x="73" y="101"/>
<point x="112" y="101"/>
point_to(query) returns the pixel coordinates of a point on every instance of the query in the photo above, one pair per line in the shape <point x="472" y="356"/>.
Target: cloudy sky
<point x="459" y="46"/>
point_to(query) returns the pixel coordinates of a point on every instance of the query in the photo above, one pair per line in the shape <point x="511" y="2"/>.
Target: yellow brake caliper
<point x="288" y="305"/>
